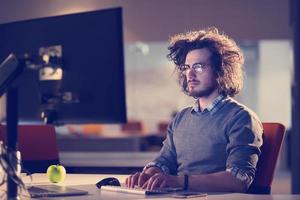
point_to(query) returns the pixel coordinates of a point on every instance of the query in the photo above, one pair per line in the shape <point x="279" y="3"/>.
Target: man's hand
<point x="140" y="178"/>
<point x="160" y="180"/>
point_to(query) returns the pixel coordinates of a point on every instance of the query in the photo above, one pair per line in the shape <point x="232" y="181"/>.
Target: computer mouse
<point x="108" y="181"/>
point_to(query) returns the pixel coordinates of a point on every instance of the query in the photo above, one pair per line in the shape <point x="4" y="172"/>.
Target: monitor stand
<point x="10" y="69"/>
<point x="13" y="155"/>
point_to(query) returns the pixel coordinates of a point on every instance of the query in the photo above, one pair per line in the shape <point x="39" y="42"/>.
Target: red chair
<point x="38" y="146"/>
<point x="272" y="140"/>
<point x="133" y="127"/>
<point x="162" y="126"/>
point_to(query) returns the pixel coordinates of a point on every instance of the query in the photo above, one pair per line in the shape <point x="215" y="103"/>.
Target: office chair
<point x="272" y="140"/>
<point x="133" y="127"/>
<point x="162" y="127"/>
<point x="38" y="146"/>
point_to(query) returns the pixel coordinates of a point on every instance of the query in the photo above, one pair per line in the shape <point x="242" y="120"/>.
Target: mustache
<point x="192" y="80"/>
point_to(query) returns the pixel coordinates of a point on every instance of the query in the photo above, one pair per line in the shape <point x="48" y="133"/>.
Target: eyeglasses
<point x="198" y="67"/>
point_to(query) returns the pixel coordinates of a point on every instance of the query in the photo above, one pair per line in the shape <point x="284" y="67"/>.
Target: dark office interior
<point x="267" y="31"/>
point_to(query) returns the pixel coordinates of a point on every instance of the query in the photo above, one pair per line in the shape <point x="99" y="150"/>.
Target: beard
<point x="204" y="92"/>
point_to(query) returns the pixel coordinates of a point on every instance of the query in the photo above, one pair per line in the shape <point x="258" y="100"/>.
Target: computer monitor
<point x="92" y="85"/>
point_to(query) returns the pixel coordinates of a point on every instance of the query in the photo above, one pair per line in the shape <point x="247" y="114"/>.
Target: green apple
<point x="56" y="173"/>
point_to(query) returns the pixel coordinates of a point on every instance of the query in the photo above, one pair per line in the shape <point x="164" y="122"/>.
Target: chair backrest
<point x="133" y="127"/>
<point x="162" y="127"/>
<point x="38" y="146"/>
<point x="272" y="140"/>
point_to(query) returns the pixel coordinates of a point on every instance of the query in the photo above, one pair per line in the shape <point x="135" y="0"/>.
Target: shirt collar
<point x="212" y="108"/>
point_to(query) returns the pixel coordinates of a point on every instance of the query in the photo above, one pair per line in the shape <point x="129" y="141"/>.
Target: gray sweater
<point x="225" y="137"/>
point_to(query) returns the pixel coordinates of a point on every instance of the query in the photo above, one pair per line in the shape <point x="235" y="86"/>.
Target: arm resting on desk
<point x="216" y="182"/>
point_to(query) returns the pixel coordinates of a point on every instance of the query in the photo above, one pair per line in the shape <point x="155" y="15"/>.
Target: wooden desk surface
<point x="87" y="182"/>
<point x="72" y="179"/>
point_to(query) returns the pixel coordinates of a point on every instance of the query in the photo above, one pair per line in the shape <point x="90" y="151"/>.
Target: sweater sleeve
<point x="167" y="158"/>
<point x="245" y="139"/>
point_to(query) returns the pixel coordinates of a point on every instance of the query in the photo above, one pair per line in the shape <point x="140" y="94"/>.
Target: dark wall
<point x="156" y="20"/>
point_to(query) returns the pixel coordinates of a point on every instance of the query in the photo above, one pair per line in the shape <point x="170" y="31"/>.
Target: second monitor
<point x="88" y="85"/>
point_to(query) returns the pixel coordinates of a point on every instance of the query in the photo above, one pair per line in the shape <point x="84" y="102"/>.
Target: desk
<point x="87" y="182"/>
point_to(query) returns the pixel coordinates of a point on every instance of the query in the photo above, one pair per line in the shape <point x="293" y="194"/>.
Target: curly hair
<point x="227" y="58"/>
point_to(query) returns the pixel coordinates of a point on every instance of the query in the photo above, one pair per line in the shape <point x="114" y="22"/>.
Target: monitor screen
<point x="87" y="86"/>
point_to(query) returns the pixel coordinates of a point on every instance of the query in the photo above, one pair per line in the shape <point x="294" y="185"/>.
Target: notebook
<point x="53" y="191"/>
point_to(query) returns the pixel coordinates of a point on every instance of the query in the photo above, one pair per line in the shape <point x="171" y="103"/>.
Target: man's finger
<point x="129" y="180"/>
<point x="134" y="179"/>
<point x="145" y="184"/>
<point x="155" y="183"/>
<point x="163" y="184"/>
<point x="142" y="179"/>
<point x="126" y="181"/>
<point x="151" y="181"/>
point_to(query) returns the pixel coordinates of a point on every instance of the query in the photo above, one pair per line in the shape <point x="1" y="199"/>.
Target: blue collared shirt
<point x="213" y="107"/>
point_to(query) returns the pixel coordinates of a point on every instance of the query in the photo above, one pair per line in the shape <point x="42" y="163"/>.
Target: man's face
<point x="201" y="80"/>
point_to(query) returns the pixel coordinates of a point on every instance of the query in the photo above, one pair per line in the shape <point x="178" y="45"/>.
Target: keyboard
<point x="139" y="190"/>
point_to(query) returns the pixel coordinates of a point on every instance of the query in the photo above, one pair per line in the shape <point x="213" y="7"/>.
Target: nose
<point x="190" y="73"/>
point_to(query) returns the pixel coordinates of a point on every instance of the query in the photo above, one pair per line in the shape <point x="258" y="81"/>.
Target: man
<point x="214" y="145"/>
